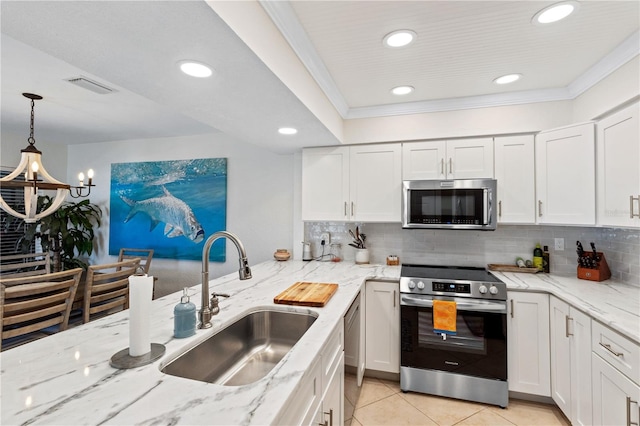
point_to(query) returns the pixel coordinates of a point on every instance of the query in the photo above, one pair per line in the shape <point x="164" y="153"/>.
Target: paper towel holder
<point x="122" y="360"/>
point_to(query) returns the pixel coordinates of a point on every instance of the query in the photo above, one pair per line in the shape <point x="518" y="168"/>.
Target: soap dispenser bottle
<point x="184" y="317"/>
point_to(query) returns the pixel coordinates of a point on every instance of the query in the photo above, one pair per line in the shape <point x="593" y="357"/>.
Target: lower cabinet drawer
<point x="617" y="350"/>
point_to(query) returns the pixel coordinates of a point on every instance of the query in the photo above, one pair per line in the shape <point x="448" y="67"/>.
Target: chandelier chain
<point x="31" y="139"/>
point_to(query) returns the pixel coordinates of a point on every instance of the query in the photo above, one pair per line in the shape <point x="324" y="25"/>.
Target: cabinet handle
<point x="330" y="413"/>
<point x="345" y="209"/>
<point x="450" y="165"/>
<point x="442" y="166"/>
<point x="539" y="208"/>
<point x="352" y="208"/>
<point x="511" y="302"/>
<point x="631" y="200"/>
<point x="394" y="298"/>
<point x="500" y="208"/>
<point x="326" y="423"/>
<point x="629" y="402"/>
<point x="608" y="348"/>
<point x="566" y="326"/>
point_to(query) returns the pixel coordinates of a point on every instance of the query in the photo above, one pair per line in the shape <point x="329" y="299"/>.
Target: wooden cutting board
<point x="307" y="294"/>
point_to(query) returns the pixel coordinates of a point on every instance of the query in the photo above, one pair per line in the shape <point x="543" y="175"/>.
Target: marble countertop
<point x="66" y="378"/>
<point x="612" y="303"/>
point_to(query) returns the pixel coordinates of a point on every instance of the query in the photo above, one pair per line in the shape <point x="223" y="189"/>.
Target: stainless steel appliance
<point x="470" y="364"/>
<point x="449" y="204"/>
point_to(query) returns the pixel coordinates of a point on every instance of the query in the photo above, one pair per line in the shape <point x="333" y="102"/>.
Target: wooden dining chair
<point x="25" y="265"/>
<point x="34" y="303"/>
<point x="106" y="288"/>
<point x="145" y="256"/>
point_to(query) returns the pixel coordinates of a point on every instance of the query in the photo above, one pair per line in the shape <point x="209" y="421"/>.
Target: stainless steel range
<point x="469" y="361"/>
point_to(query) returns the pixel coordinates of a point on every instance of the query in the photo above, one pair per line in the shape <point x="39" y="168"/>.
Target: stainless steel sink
<point x="245" y="351"/>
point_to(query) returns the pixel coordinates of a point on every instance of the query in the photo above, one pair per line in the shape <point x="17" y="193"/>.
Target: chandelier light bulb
<point x="35" y="167"/>
<point x="90" y="173"/>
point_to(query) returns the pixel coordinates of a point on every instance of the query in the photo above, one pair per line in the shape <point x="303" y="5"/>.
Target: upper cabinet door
<point x="469" y="158"/>
<point x="325" y="183"/>
<point x="376" y="183"/>
<point x="515" y="173"/>
<point x="618" y="171"/>
<point x="424" y="160"/>
<point x="565" y="175"/>
<point x="453" y="159"/>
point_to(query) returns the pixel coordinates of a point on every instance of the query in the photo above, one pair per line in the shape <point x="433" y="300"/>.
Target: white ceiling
<point x="132" y="47"/>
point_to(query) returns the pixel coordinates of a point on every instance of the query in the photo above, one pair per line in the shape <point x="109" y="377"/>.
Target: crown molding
<point x="283" y="16"/>
<point x="285" y="19"/>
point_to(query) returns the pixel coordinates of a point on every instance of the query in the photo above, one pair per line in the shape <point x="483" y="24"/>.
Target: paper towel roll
<point x="140" y="295"/>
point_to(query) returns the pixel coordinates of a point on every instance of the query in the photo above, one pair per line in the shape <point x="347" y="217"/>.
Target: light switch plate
<point x="559" y="244"/>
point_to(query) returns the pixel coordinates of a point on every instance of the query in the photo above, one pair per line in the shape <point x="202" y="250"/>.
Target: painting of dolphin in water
<point x="168" y="206"/>
<point x="177" y="216"/>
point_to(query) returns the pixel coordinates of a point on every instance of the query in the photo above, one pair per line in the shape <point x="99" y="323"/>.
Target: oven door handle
<point x="477" y="306"/>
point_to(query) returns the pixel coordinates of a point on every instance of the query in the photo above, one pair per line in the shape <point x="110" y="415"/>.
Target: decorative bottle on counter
<point x="184" y="317"/>
<point x="537" y="257"/>
<point x="546" y="266"/>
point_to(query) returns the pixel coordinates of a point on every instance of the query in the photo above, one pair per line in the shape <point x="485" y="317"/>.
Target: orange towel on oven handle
<point x="444" y="316"/>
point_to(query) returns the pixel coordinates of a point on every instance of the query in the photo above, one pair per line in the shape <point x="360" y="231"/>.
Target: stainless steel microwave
<point x="449" y="204"/>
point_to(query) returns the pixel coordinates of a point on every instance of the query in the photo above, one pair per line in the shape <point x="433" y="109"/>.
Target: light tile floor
<point x="381" y="402"/>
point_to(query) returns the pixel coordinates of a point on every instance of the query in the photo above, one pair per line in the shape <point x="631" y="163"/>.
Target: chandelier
<point x="37" y="179"/>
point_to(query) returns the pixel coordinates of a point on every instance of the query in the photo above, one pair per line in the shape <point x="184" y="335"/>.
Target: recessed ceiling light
<point x="402" y="90"/>
<point x="195" y="69"/>
<point x="506" y="79"/>
<point x="555" y="12"/>
<point x="399" y="38"/>
<point x="287" y="131"/>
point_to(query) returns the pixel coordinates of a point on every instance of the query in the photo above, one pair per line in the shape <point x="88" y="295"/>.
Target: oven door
<point x="479" y="347"/>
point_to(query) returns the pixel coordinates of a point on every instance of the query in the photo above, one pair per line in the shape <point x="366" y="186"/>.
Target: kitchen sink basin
<point x="245" y="351"/>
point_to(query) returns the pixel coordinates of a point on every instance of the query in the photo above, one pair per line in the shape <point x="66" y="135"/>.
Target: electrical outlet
<point x="558" y="244"/>
<point x="326" y="237"/>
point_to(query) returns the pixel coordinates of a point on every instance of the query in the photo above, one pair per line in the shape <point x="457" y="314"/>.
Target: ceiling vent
<point x="85" y="83"/>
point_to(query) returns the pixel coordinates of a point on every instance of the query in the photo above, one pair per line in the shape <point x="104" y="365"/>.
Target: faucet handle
<point x="213" y="304"/>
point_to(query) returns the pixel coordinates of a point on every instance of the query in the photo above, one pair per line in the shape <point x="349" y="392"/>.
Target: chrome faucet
<point x="209" y="307"/>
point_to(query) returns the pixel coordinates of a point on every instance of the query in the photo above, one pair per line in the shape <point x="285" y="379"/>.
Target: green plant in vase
<point x="67" y="233"/>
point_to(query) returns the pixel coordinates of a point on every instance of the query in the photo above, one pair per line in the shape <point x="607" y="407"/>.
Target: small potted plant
<point x="362" y="253"/>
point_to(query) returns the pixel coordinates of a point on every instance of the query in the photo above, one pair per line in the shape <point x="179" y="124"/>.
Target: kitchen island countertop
<point x="66" y="378"/>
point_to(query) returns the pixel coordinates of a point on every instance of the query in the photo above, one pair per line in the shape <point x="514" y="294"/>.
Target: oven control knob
<point x="412" y="285"/>
<point x="420" y="285"/>
<point x="482" y="289"/>
<point x="493" y="289"/>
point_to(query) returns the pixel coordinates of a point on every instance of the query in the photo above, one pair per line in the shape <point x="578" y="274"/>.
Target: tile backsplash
<point x="621" y="247"/>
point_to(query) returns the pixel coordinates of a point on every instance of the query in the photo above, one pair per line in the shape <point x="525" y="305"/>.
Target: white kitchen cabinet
<point x="570" y="358"/>
<point x="565" y="175"/>
<point x="515" y="173"/>
<point x="616" y="377"/>
<point x="615" y="397"/>
<point x="357" y="183"/>
<point x="321" y="389"/>
<point x="376" y="183"/>
<point x="528" y="343"/>
<point x="617" y="171"/>
<point x="325" y="183"/>
<point x="451" y="159"/>
<point x="382" y="326"/>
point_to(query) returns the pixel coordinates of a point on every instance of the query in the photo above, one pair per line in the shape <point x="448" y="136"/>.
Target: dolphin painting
<point x="173" y="212"/>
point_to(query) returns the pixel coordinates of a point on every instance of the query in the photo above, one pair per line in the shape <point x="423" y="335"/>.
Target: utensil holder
<point x="601" y="273"/>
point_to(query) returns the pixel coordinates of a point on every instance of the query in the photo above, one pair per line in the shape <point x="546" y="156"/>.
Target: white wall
<point x="54" y="157"/>
<point x="259" y="197"/>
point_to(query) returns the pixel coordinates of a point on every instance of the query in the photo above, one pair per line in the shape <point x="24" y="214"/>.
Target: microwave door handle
<point x="479" y="306"/>
<point x="486" y="195"/>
